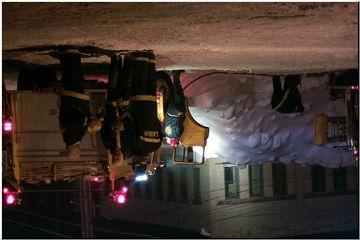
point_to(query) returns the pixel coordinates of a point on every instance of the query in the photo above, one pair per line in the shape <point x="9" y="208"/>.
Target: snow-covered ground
<point x="256" y="37"/>
<point x="245" y="129"/>
<point x="261" y="38"/>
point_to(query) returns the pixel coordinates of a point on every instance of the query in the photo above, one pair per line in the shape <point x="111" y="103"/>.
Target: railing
<point x="337" y="129"/>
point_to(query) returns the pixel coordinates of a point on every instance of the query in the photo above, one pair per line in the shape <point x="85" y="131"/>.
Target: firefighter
<point x="173" y="123"/>
<point x="286" y="97"/>
<point x="74" y="104"/>
<point x="131" y="127"/>
<point x="348" y="77"/>
<point x="114" y="92"/>
<point x="141" y="76"/>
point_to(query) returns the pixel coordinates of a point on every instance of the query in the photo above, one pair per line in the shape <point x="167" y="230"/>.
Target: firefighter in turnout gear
<point x="141" y="74"/>
<point x="131" y="127"/>
<point x="286" y="96"/>
<point x="74" y="104"/>
<point x="173" y="123"/>
<point x="111" y="124"/>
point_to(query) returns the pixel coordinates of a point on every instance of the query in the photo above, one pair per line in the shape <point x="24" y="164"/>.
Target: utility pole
<point x="86" y="208"/>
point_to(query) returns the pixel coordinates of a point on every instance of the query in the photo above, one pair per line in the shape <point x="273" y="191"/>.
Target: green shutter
<point x="279" y="179"/>
<point x="231" y="176"/>
<point x="256" y="180"/>
<point x="340" y="181"/>
<point x="318" y="178"/>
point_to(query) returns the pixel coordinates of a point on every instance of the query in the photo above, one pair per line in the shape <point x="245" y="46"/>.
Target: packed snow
<point x="244" y="129"/>
<point x="271" y="38"/>
<point x="238" y="36"/>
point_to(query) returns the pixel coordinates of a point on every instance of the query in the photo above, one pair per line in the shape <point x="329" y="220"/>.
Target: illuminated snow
<point x="245" y="129"/>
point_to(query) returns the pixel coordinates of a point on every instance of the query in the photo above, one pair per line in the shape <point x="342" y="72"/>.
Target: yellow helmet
<point x="94" y="126"/>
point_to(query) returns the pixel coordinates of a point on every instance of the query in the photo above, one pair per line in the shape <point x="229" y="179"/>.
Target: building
<point x="228" y="201"/>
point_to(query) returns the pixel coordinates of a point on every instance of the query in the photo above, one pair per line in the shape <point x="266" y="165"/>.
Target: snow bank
<point x="244" y="129"/>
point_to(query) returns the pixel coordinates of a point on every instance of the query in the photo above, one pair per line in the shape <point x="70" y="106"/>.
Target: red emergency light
<point x="124" y="189"/>
<point x="10" y="199"/>
<point x="174" y="143"/>
<point x="7" y="126"/>
<point x="120" y="196"/>
<point x="355" y="153"/>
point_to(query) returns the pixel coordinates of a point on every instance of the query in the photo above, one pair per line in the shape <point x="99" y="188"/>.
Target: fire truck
<point x="341" y="131"/>
<point x="34" y="151"/>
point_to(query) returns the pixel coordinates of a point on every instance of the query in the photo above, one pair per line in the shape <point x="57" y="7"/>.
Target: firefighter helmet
<point x="94" y="126"/>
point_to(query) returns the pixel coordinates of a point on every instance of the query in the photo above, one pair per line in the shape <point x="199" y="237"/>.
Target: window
<point x="340" y="181"/>
<point x="185" y="154"/>
<point x="256" y="180"/>
<point x="231" y="176"/>
<point x="190" y="154"/>
<point x="196" y="186"/>
<point x="159" y="185"/>
<point x="318" y="178"/>
<point x="279" y="179"/>
<point x="183" y="185"/>
<point x="171" y="184"/>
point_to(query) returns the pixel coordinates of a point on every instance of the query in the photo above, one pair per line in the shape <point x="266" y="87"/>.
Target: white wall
<point x="301" y="214"/>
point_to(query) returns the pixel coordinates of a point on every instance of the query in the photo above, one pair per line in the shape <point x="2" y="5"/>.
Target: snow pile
<point x="244" y="129"/>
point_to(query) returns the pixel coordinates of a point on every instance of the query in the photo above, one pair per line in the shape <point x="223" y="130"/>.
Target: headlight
<point x="141" y="178"/>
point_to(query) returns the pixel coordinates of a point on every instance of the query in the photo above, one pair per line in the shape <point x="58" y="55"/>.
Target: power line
<point x="37" y="228"/>
<point x="102" y="189"/>
<point x="58" y="190"/>
<point x="210" y="199"/>
<point x="246" y="213"/>
<point x="76" y="224"/>
<point x="207" y="200"/>
<point x="218" y="209"/>
<point x="223" y="72"/>
<point x="139" y="235"/>
<point x="45" y="217"/>
<point x="227" y="207"/>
